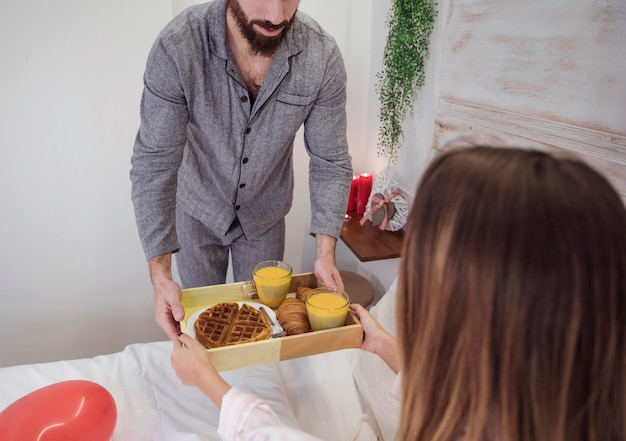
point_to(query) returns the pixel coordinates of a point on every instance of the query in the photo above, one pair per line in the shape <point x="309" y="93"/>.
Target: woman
<point x="511" y="304"/>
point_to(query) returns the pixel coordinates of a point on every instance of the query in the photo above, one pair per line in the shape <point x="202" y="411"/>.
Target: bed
<point x="341" y="395"/>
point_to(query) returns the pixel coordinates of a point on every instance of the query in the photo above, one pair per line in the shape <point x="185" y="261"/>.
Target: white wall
<point x="359" y="28"/>
<point x="73" y="278"/>
<point x="72" y="274"/>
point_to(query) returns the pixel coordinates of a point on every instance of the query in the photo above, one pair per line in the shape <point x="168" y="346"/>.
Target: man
<point x="227" y="86"/>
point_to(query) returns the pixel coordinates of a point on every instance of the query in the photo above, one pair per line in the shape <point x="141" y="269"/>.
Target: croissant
<point x="292" y="316"/>
<point x="301" y="292"/>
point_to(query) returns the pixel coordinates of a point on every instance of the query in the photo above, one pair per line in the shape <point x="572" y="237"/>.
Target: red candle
<point x="363" y="192"/>
<point x="353" y="191"/>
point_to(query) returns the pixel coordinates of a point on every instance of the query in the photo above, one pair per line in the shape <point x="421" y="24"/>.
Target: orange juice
<point x="272" y="273"/>
<point x="326" y="308"/>
<point x="327" y="302"/>
<point x="272" y="280"/>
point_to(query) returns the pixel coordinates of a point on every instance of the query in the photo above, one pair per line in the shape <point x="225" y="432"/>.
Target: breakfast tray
<point x="274" y="349"/>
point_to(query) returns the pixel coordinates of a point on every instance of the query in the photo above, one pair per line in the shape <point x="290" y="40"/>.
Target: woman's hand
<point x="376" y="339"/>
<point x="193" y="366"/>
<point x="191" y="361"/>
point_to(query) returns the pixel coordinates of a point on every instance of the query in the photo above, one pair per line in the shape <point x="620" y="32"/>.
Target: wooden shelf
<point x="369" y="243"/>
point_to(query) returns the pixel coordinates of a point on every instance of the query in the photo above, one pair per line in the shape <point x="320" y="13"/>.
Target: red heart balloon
<point x="75" y="410"/>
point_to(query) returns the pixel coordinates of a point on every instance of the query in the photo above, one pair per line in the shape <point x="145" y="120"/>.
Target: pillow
<point x="374" y="378"/>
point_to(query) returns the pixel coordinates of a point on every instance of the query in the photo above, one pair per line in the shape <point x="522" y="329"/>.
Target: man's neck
<point x="252" y="66"/>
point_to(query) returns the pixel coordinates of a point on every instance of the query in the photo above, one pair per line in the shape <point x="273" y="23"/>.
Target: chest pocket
<point x="295" y="100"/>
<point x="293" y="109"/>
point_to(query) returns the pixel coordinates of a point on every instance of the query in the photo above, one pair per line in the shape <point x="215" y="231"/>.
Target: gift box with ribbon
<point x="388" y="208"/>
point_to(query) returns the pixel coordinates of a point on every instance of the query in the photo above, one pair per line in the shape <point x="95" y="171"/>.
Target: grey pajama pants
<point x="203" y="256"/>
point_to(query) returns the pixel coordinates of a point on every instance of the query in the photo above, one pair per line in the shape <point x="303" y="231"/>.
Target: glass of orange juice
<point x="327" y="308"/>
<point x="271" y="280"/>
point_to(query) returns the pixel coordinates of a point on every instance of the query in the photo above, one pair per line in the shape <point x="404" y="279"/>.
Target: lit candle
<point x="363" y="192"/>
<point x="353" y="191"/>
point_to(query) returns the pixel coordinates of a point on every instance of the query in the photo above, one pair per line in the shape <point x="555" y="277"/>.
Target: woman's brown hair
<point x="512" y="301"/>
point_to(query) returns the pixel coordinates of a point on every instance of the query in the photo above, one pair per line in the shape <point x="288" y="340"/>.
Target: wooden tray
<point x="274" y="349"/>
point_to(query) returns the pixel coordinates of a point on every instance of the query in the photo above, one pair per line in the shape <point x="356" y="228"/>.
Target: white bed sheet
<point x="316" y="394"/>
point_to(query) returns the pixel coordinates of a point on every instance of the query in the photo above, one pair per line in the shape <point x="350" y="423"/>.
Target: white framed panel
<point x="537" y="74"/>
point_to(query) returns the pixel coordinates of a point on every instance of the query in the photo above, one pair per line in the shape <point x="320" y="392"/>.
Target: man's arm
<point x="167" y="295"/>
<point x="158" y="153"/>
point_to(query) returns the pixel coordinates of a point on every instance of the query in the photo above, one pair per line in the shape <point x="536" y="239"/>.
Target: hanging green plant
<point x="410" y="24"/>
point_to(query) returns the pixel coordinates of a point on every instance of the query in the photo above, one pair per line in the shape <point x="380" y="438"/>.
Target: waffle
<point x="227" y="324"/>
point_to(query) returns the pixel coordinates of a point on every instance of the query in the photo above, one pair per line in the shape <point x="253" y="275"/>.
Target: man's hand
<point x="168" y="310"/>
<point x="324" y="267"/>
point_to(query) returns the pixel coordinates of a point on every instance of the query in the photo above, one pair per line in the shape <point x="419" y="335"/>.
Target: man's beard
<point x="260" y="44"/>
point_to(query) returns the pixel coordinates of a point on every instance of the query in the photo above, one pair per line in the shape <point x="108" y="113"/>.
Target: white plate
<point x="192" y="320"/>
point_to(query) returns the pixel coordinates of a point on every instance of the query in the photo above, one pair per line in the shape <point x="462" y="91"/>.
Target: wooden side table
<point x="368" y="243"/>
<point x="359" y="289"/>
